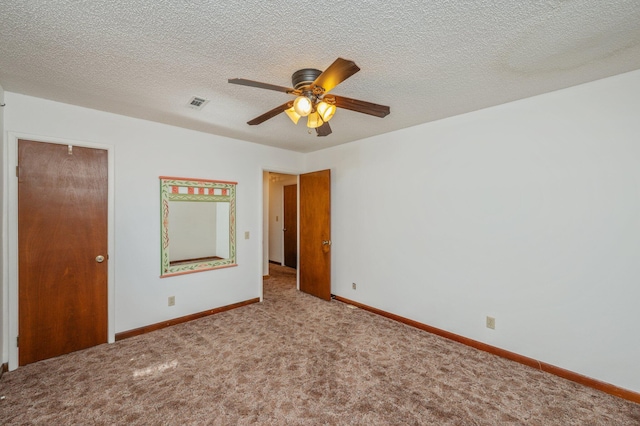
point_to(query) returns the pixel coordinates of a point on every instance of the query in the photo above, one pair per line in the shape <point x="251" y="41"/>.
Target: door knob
<point x="99" y="258"/>
<point x="326" y="243"/>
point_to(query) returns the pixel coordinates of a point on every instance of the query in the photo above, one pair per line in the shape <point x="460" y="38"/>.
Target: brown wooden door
<point x="62" y="228"/>
<point x="291" y="226"/>
<point x="315" y="234"/>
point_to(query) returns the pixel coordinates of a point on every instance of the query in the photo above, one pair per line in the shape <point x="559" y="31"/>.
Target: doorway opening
<point x="280" y="220"/>
<point x="312" y="259"/>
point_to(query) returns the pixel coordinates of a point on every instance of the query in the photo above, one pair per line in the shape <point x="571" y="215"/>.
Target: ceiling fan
<point x="311" y="88"/>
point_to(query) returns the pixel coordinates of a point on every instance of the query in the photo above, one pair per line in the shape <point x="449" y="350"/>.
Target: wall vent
<point x="197" y="102"/>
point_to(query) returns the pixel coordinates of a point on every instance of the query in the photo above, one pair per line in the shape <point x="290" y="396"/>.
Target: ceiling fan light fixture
<point x="303" y="106"/>
<point x="326" y="110"/>
<point x="293" y="115"/>
<point x="310" y="87"/>
<point x="314" y="120"/>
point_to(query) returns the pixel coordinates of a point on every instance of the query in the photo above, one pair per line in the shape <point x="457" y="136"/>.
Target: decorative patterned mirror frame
<point x="199" y="190"/>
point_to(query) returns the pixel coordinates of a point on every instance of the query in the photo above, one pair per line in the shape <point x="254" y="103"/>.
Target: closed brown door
<point x="315" y="234"/>
<point x="291" y="226"/>
<point x="62" y="249"/>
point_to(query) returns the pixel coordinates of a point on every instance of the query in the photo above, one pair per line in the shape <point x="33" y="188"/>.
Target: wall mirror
<point x="198" y="225"/>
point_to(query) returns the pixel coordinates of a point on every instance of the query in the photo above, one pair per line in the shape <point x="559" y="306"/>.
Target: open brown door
<point x="315" y="234"/>
<point x="291" y="226"/>
<point x="62" y="249"/>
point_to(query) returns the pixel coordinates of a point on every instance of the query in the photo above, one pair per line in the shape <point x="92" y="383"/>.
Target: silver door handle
<point x="99" y="258"/>
<point x="326" y="243"/>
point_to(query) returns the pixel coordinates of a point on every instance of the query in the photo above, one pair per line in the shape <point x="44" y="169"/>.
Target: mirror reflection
<point x="198" y="232"/>
<point x="198" y="225"/>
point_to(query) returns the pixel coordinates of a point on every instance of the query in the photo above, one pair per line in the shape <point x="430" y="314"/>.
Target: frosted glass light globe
<point x="303" y="106"/>
<point x="326" y="111"/>
<point x="314" y="121"/>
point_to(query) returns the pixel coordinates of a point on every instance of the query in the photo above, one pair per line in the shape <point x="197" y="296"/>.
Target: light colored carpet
<point x="297" y="360"/>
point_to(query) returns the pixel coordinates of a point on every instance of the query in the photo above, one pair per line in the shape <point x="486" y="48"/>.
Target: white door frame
<point x="10" y="230"/>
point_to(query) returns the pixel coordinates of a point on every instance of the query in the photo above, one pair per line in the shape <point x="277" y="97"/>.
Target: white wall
<point x="528" y="212"/>
<point x="4" y="314"/>
<point x="143" y="152"/>
<point x="222" y="230"/>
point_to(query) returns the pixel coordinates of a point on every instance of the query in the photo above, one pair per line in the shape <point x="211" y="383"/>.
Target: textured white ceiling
<point x="426" y="60"/>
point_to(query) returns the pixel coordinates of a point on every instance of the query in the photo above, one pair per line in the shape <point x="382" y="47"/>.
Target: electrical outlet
<point x="353" y="286"/>
<point x="172" y="300"/>
<point x="491" y="323"/>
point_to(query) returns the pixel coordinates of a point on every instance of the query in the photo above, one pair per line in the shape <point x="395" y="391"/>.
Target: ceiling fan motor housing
<point x="304" y="77"/>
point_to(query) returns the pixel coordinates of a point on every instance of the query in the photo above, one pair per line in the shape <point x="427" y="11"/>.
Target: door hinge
<point x="18" y="172"/>
<point x="17" y="341"/>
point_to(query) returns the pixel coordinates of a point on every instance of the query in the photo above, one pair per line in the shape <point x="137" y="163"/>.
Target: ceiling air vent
<point x="197" y="103"/>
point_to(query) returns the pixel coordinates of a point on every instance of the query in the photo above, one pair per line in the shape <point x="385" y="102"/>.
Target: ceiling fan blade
<point x="245" y="82"/>
<point x="324" y="130"/>
<point x="338" y="71"/>
<point x="359" y="106"/>
<point x="270" y="114"/>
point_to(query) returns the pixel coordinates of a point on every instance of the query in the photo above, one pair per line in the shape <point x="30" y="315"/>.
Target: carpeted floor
<point x="296" y="360"/>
